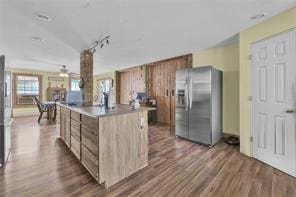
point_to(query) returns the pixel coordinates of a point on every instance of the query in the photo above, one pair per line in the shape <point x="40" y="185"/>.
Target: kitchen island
<point x="111" y="144"/>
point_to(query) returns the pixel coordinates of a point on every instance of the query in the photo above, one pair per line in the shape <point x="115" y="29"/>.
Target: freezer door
<point x="5" y="145"/>
<point x="7" y="138"/>
<point x="2" y="145"/>
<point x="2" y="89"/>
<point x="182" y="106"/>
<point x="200" y="105"/>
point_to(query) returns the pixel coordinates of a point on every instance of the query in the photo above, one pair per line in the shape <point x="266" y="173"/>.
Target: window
<point x="26" y="88"/>
<point x="105" y="85"/>
<point x="74" y="84"/>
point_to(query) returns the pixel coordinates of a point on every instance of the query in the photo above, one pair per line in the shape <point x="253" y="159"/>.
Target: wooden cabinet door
<point x="172" y="79"/>
<point x="162" y="93"/>
<point x="63" y="126"/>
<point x="167" y="93"/>
<point x="58" y="122"/>
<point x="68" y="131"/>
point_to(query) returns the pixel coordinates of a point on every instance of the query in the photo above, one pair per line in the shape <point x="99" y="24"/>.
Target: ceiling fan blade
<point x="71" y="74"/>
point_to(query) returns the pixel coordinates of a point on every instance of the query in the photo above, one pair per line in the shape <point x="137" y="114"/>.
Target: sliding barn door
<point x="273" y="105"/>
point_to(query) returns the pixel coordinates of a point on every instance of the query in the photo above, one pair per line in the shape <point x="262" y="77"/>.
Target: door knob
<point x="290" y="111"/>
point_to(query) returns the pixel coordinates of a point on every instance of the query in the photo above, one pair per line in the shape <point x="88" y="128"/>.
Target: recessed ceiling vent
<point x="36" y="38"/>
<point x="43" y="17"/>
<point x="257" y="16"/>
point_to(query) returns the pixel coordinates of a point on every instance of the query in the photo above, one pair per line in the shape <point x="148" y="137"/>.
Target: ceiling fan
<point x="64" y="71"/>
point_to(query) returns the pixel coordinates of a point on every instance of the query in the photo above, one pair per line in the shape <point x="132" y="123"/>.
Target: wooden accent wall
<point x="117" y="86"/>
<point x="158" y="80"/>
<point x="86" y="74"/>
<point x="131" y="81"/>
<point x="161" y="82"/>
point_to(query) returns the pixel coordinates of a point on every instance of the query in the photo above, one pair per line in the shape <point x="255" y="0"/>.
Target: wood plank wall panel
<point x="131" y="81"/>
<point x="118" y="90"/>
<point x="161" y="79"/>
<point x="158" y="80"/>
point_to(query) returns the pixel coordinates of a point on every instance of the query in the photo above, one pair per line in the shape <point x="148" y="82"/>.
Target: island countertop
<point x="96" y="111"/>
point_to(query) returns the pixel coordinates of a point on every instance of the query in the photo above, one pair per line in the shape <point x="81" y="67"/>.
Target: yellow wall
<point x="66" y="84"/>
<point x="97" y="78"/>
<point x="270" y="27"/>
<point x="45" y="84"/>
<point x="225" y="59"/>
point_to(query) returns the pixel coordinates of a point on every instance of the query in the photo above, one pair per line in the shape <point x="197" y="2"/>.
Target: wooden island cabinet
<point x="110" y="144"/>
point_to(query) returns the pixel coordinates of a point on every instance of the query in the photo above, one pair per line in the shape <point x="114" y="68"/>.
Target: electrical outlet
<point x="142" y="122"/>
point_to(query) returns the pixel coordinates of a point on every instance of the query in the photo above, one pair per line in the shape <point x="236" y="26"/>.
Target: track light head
<point x="101" y="42"/>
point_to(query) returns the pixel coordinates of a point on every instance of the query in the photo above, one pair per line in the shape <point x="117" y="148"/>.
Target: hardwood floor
<point x="41" y="165"/>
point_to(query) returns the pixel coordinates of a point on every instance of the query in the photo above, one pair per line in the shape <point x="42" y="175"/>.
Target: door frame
<point x="252" y="83"/>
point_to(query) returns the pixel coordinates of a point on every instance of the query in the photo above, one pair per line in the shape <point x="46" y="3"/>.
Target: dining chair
<point x="41" y="107"/>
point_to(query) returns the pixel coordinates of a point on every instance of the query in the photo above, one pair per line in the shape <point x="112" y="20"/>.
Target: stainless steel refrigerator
<point x="199" y="104"/>
<point x="5" y="112"/>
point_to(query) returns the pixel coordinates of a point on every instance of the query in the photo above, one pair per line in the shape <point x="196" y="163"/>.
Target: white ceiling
<point x="141" y="31"/>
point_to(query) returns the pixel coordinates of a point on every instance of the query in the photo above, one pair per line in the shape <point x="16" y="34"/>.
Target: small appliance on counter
<point x="141" y="96"/>
<point x="108" y="100"/>
<point x="73" y="97"/>
<point x="152" y="101"/>
<point x="135" y="104"/>
<point x="135" y="101"/>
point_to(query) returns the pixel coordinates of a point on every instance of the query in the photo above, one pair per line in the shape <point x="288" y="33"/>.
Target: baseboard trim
<point x="25" y="115"/>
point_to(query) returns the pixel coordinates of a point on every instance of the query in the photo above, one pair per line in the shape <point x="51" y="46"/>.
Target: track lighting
<point x="102" y="43"/>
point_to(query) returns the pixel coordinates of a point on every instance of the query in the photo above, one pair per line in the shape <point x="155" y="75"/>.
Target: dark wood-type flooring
<point x="41" y="165"/>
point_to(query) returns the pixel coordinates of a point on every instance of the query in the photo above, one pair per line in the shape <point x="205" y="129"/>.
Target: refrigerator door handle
<point x="5" y="89"/>
<point x="190" y="93"/>
<point x="186" y="94"/>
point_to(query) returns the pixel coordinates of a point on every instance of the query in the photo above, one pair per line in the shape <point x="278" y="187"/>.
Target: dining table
<point x="51" y="110"/>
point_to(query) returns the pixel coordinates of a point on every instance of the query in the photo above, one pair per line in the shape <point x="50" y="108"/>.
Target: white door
<point x="274" y="99"/>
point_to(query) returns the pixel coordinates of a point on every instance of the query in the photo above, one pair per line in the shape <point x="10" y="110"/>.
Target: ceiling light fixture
<point x="43" y="17"/>
<point x="103" y="42"/>
<point x="257" y="16"/>
<point x="64" y="71"/>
